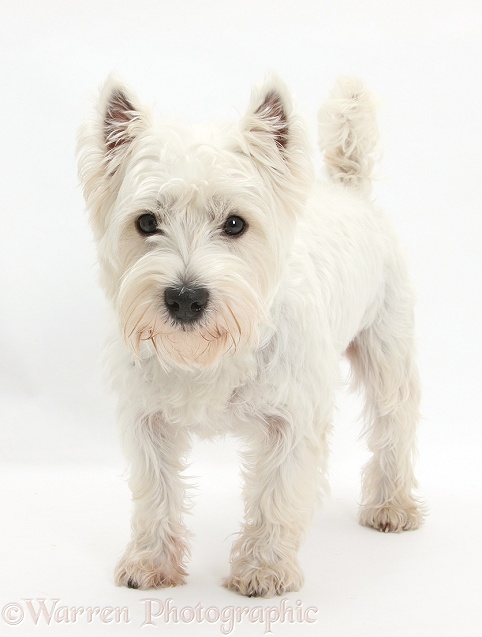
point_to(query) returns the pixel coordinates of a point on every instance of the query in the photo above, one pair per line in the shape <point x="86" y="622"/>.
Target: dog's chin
<point x="188" y="346"/>
<point x="195" y="347"/>
<point x="222" y="331"/>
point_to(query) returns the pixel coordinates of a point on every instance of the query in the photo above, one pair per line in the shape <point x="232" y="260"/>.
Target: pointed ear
<point x="267" y="125"/>
<point x="122" y="120"/>
<point x="273" y="119"/>
<point x="275" y="139"/>
<point x="104" y="142"/>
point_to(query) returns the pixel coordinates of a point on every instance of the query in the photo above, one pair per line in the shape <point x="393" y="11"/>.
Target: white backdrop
<point x="64" y="501"/>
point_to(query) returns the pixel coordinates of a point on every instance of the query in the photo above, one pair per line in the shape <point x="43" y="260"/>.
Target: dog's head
<point x="193" y="227"/>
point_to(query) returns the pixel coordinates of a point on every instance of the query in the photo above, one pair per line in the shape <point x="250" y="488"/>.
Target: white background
<point x="63" y="497"/>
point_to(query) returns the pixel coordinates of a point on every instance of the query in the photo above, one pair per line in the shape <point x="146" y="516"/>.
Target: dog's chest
<point x="203" y="401"/>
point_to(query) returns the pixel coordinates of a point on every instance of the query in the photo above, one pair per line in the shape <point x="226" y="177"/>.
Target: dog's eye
<point x="147" y="223"/>
<point x="234" y="226"/>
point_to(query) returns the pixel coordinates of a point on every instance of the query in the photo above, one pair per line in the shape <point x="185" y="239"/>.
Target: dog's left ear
<point x="270" y="119"/>
<point x="275" y="138"/>
<point x="266" y="126"/>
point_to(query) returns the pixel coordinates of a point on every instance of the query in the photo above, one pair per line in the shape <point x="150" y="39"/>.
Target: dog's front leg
<point x="156" y="554"/>
<point x="282" y="472"/>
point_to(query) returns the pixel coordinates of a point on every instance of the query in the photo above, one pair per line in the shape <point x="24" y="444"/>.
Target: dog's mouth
<point x="187" y="324"/>
<point x="191" y="344"/>
<point x="195" y="341"/>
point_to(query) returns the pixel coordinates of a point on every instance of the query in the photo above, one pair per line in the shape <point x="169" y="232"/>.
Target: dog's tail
<point x="348" y="134"/>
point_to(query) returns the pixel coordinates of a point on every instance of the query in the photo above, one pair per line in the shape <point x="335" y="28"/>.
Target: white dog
<point x="238" y="282"/>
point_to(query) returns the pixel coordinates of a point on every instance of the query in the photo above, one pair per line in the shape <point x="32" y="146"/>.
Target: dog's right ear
<point x="122" y="120"/>
<point x="104" y="144"/>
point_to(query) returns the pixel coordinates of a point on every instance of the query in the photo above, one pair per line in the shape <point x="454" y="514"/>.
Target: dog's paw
<point x="267" y="580"/>
<point x="144" y="574"/>
<point x="392" y="518"/>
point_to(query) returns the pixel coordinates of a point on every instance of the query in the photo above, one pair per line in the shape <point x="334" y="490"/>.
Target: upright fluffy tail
<point x="348" y="134"/>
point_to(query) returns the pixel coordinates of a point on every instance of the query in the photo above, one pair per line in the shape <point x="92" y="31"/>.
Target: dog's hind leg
<point x="382" y="359"/>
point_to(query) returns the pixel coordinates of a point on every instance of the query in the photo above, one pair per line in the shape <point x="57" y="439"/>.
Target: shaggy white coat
<point x="317" y="274"/>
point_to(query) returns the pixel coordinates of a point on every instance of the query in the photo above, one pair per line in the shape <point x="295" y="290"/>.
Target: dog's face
<point x="193" y="227"/>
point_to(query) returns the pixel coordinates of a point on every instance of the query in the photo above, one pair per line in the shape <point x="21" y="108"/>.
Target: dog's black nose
<point x="186" y="303"/>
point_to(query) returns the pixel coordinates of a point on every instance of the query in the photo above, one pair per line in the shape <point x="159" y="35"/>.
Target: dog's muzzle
<point x="186" y="304"/>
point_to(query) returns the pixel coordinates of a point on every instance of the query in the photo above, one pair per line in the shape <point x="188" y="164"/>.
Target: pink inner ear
<point x="273" y="111"/>
<point x="120" y="112"/>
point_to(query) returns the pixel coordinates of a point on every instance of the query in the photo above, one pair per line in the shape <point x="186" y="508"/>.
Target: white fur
<point x="317" y="274"/>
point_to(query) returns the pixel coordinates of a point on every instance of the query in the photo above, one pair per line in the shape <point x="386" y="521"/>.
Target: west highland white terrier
<point x="238" y="282"/>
